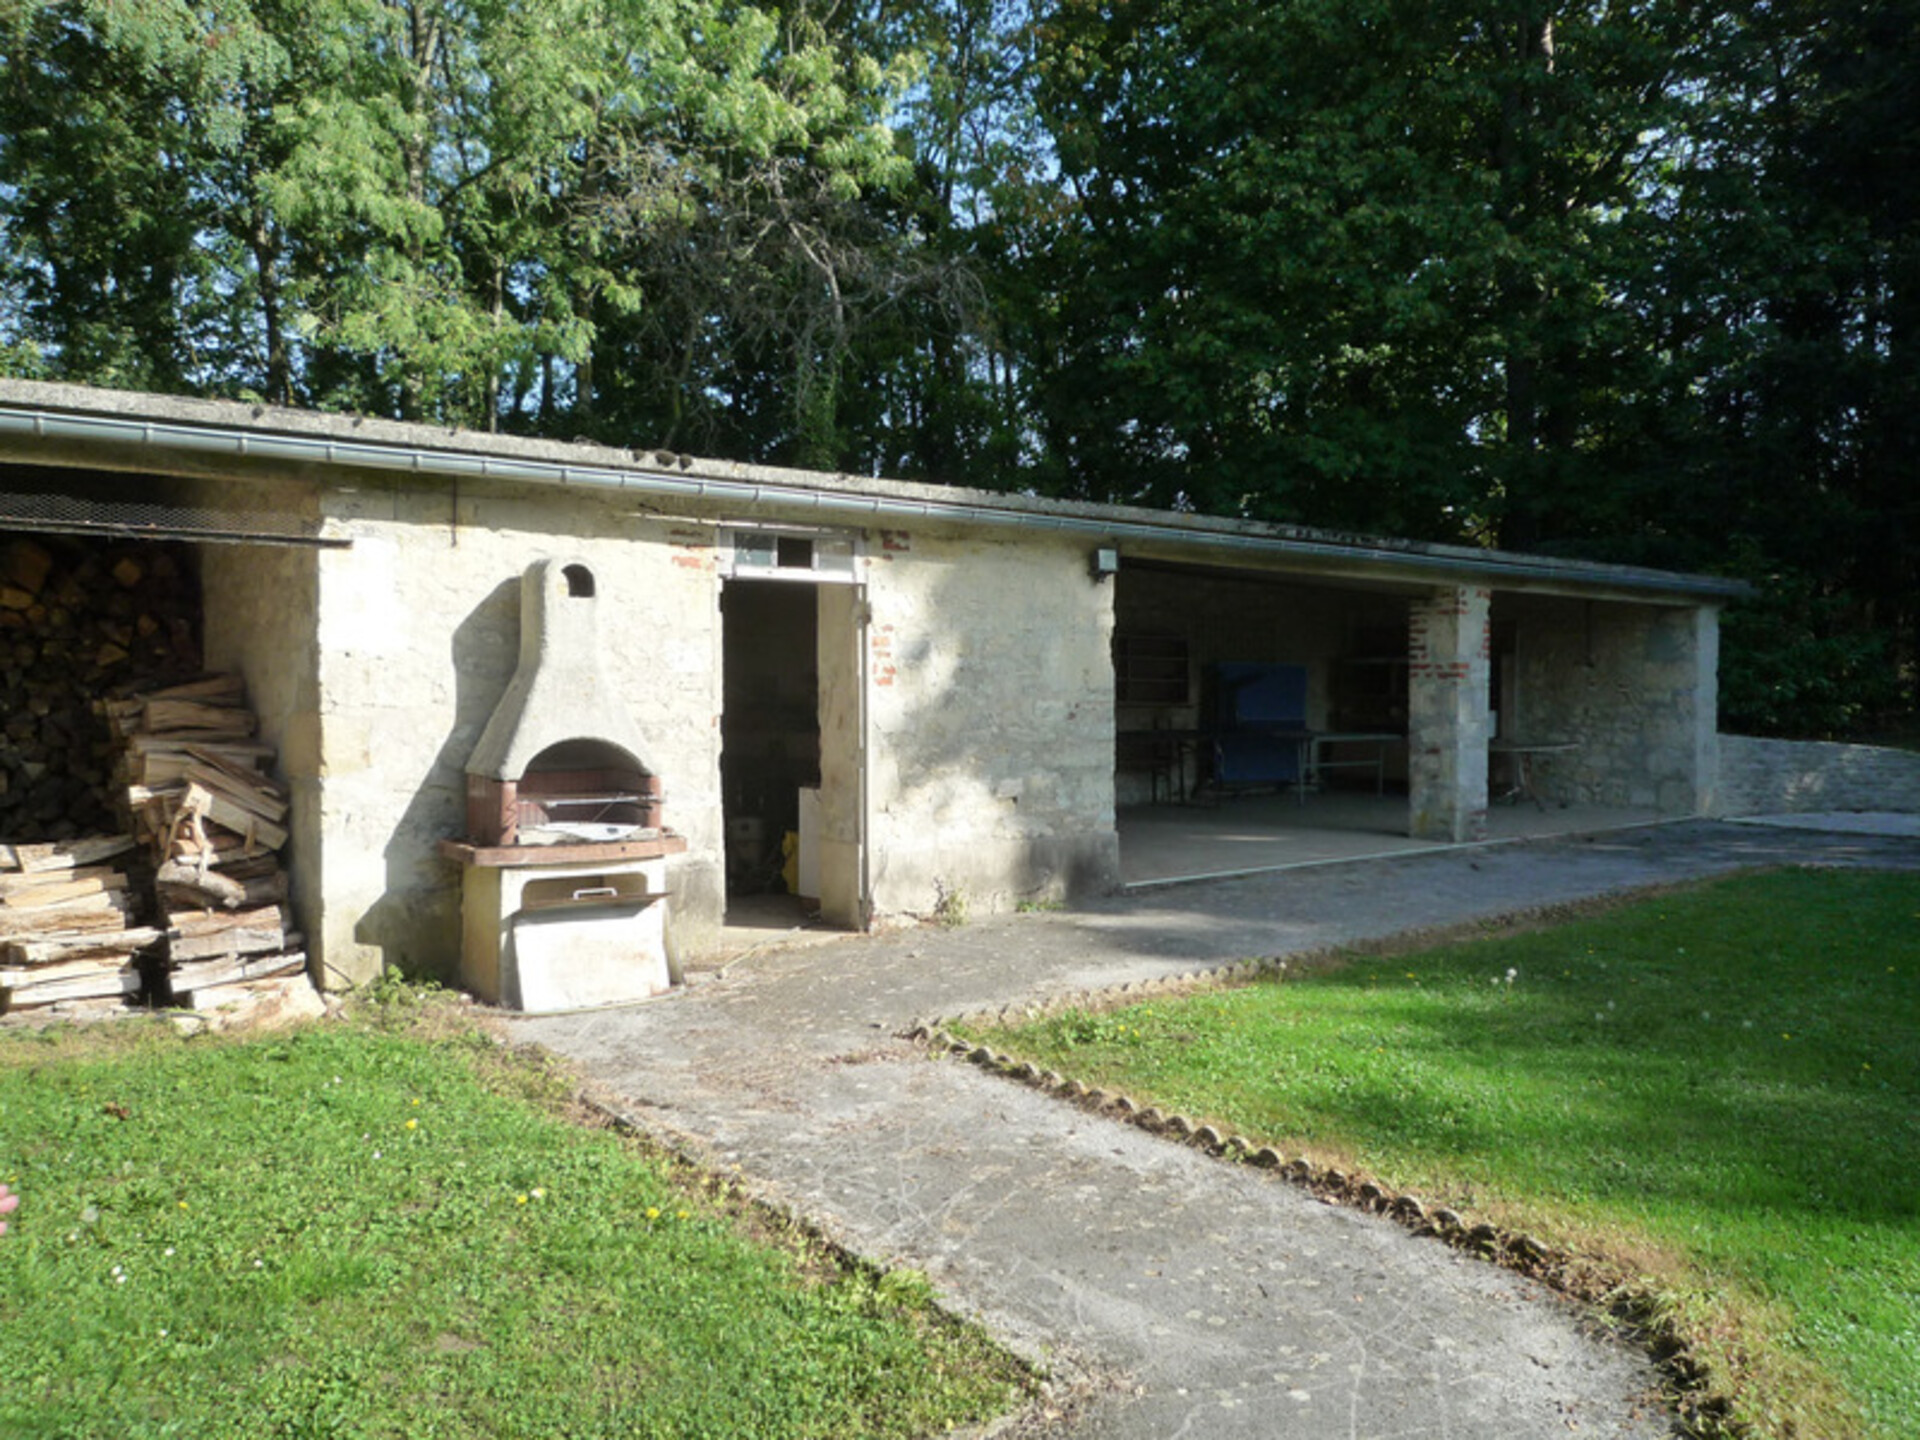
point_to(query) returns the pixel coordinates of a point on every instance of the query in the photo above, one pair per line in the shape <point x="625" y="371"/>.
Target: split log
<point x="225" y="721"/>
<point x="64" y="854"/>
<point x="260" y="1004"/>
<point x="12" y="976"/>
<point x="225" y="688"/>
<point x="204" y="975"/>
<point x="59" y="949"/>
<point x="256" y="794"/>
<point x="228" y="815"/>
<point x="193" y="884"/>
<point x="184" y="883"/>
<point x="106" y="982"/>
<point x="216" y="847"/>
<point x="54" y="887"/>
<point x="107" y="911"/>
<point x="201" y="934"/>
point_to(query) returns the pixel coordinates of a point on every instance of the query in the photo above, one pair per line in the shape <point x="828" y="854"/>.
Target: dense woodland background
<point x="1628" y="281"/>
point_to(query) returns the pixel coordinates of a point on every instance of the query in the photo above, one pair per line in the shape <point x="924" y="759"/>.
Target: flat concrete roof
<point x="75" y="425"/>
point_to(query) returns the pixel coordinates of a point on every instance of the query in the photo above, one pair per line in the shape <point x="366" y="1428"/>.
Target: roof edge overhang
<point x="148" y="430"/>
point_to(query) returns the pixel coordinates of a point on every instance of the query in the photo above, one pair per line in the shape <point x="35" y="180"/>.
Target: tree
<point x="471" y="212"/>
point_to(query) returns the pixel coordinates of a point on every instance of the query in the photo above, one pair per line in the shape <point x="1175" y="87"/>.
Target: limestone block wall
<point x="418" y="635"/>
<point x="1784" y="777"/>
<point x="990" y="722"/>
<point x="1634" y="686"/>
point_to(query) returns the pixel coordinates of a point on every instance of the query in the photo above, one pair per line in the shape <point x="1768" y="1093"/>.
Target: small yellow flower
<point x="413" y="1124"/>
<point x="682" y="1215"/>
<point x="519" y="1199"/>
<point x="415" y="1100"/>
<point x="183" y="1204"/>
<point x="653" y="1212"/>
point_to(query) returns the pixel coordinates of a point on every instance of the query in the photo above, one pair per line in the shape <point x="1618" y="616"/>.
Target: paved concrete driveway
<point x="1187" y="1296"/>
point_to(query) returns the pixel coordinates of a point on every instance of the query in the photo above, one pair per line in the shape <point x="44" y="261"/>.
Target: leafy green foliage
<point x="1718" y="1087"/>
<point x="452" y="212"/>
<point x="1630" y="282"/>
<point x="345" y="1231"/>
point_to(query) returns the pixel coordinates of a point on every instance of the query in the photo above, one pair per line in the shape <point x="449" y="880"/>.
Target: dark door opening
<point x="769" y="731"/>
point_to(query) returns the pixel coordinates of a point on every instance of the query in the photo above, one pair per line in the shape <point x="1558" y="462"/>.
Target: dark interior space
<point x="81" y="620"/>
<point x="769" y="726"/>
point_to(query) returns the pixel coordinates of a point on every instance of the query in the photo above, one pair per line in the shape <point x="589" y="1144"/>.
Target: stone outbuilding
<point x="890" y="698"/>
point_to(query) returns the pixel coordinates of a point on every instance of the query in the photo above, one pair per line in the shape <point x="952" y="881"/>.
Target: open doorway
<point x="769" y="732"/>
<point x="791" y="753"/>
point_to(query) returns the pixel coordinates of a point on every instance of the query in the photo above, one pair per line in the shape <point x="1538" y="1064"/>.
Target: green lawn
<point x="1718" y="1089"/>
<point x="364" y="1230"/>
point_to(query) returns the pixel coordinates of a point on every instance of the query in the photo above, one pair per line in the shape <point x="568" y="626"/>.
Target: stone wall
<point x="1633" y="686"/>
<point x="1786" y="777"/>
<point x="418" y="635"/>
<point x="990" y="725"/>
<point x="375" y="666"/>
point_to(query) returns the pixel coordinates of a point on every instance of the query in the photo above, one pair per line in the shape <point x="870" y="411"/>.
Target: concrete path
<point x="1183" y="1296"/>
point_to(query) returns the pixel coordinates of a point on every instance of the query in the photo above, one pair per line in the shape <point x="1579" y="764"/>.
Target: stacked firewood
<point x="213" y="821"/>
<point x="68" y="931"/>
<point x="77" y="619"/>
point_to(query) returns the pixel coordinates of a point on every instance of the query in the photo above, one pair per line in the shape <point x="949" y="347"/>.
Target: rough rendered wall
<point x="1785" y="777"/>
<point x="1634" y="686"/>
<point x="990" y="725"/>
<point x="419" y="635"/>
<point x="258" y="604"/>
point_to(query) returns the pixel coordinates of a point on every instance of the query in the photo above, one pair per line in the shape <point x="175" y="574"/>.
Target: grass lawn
<point x="390" y="1228"/>
<point x="1718" y="1090"/>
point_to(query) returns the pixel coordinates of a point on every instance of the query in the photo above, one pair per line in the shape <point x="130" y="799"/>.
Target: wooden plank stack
<point x="68" y="931"/>
<point x="213" y="821"/>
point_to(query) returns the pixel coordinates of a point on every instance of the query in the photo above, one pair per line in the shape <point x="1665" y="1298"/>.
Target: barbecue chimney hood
<point x="564" y="888"/>
<point x="560" y="760"/>
<point x="557" y="693"/>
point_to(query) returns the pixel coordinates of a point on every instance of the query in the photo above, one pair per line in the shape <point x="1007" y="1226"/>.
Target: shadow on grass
<point x="1728" y="1077"/>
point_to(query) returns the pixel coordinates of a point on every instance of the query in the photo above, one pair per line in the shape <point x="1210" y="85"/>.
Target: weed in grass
<point x="1717" y="1091"/>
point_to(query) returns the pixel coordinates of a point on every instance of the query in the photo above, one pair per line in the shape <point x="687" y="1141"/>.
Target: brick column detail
<point x="1449" y="719"/>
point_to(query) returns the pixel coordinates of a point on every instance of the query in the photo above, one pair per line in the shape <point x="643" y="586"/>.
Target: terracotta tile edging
<point x="1630" y="1309"/>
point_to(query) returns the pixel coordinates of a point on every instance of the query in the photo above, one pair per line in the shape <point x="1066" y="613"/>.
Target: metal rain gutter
<point x="420" y="460"/>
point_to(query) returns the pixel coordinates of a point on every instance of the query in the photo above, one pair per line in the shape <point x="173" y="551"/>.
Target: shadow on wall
<point x="991" y="735"/>
<point x="416" y="921"/>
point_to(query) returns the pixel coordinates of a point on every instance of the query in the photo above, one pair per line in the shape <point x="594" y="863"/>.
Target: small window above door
<point x="789" y="554"/>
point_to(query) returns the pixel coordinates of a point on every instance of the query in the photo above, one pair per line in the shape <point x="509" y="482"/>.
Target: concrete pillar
<point x="1704" y="632"/>
<point x="842" y="642"/>
<point x="1449" y="717"/>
